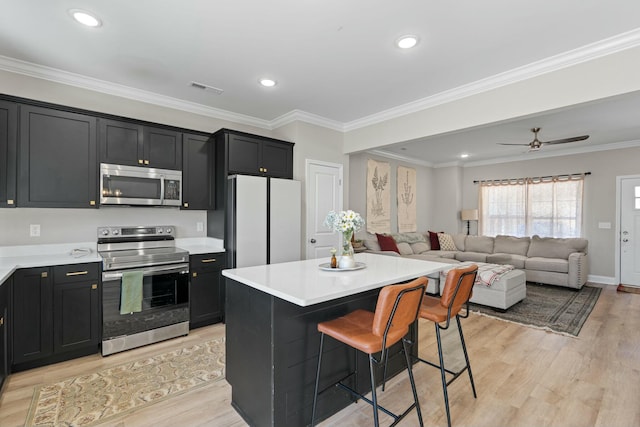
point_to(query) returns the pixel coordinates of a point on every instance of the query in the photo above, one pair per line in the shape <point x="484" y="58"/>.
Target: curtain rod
<point x="535" y="177"/>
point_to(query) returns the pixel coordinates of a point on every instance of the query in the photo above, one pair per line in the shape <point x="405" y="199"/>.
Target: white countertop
<point x="303" y="283"/>
<point x="27" y="256"/>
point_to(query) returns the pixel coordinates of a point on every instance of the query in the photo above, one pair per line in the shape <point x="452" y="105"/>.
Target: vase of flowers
<point x="347" y="223"/>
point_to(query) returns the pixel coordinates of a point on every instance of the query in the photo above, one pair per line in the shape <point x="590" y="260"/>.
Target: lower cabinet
<point x="56" y="314"/>
<point x="206" y="289"/>
<point x="4" y="335"/>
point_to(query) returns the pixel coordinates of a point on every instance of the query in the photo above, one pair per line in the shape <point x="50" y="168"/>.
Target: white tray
<point x="327" y="267"/>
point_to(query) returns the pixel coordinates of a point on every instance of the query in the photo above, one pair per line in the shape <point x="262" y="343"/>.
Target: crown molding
<point x="582" y="54"/>
<point x="109" y="88"/>
<point x="303" y="116"/>
<point x="400" y="158"/>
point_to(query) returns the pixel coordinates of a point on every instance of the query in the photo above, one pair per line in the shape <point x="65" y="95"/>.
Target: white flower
<point x="344" y="221"/>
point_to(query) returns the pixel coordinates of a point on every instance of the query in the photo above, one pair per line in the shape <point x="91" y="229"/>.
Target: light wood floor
<point x="524" y="377"/>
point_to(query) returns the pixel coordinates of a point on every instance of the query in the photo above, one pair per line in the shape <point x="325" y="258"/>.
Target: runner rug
<point x="553" y="308"/>
<point x="95" y="398"/>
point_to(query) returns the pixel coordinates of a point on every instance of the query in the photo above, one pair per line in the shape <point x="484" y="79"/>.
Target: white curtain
<point x="548" y="207"/>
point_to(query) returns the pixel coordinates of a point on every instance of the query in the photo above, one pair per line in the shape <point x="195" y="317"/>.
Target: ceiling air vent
<point x="203" y="86"/>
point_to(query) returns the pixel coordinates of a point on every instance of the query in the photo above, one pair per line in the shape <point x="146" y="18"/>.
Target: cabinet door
<point x="32" y="315"/>
<point x="8" y="157"/>
<point x="205" y="297"/>
<point x="58" y="159"/>
<point x="77" y="315"/>
<point x="4" y="327"/>
<point x="121" y="143"/>
<point x="277" y="159"/>
<point x="162" y="148"/>
<point x="198" y="177"/>
<point x="244" y="155"/>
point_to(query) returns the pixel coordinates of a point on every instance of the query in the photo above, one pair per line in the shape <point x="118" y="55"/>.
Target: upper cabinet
<point x="8" y="150"/>
<point x="198" y="177"/>
<point x="57" y="159"/>
<point x="255" y="155"/>
<point x="129" y="143"/>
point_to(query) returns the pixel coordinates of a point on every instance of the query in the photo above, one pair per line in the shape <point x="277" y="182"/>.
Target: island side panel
<point x="249" y="352"/>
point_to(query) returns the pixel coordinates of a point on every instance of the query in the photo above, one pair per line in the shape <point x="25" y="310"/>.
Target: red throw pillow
<point x="387" y="243"/>
<point x="433" y="239"/>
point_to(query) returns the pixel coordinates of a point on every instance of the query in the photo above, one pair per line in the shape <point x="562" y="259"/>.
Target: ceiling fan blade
<point x="504" y="143"/>
<point x="565" y="140"/>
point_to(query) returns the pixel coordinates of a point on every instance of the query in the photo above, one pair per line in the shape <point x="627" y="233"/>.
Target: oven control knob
<point x="115" y="232"/>
<point x="168" y="230"/>
<point x="159" y="230"/>
<point x="105" y="232"/>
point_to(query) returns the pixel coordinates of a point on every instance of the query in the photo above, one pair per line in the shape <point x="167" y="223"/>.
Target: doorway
<point x="628" y="244"/>
<point x="324" y="193"/>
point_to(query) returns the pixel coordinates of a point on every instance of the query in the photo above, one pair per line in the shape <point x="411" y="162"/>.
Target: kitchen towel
<point x="131" y="292"/>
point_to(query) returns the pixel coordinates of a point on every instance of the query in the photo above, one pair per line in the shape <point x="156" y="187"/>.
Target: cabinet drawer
<point x="214" y="261"/>
<point x="76" y="272"/>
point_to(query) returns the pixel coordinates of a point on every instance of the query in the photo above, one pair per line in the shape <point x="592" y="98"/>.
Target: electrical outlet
<point x="34" y="230"/>
<point x="199" y="226"/>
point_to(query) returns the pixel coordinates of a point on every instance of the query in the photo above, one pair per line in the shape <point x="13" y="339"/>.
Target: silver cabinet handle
<point x="77" y="273"/>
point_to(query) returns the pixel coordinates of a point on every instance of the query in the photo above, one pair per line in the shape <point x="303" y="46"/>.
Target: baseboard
<point x="605" y="280"/>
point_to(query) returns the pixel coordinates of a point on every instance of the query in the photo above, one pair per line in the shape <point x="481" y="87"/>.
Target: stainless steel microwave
<point x="132" y="185"/>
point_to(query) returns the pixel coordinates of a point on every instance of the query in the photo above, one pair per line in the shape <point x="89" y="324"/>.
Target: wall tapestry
<point x="406" y="200"/>
<point x="378" y="197"/>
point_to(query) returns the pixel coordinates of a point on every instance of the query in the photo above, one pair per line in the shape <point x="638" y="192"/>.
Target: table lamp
<point x="469" y="215"/>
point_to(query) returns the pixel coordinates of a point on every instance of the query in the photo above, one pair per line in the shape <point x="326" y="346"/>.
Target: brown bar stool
<point x="396" y="309"/>
<point x="456" y="293"/>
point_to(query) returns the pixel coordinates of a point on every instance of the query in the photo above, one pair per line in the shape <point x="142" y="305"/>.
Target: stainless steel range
<point x="145" y="286"/>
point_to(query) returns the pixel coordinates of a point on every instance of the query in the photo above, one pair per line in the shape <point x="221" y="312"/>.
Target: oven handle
<point x="148" y="271"/>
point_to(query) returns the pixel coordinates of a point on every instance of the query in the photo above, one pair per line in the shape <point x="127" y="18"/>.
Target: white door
<point x="630" y="231"/>
<point x="324" y="194"/>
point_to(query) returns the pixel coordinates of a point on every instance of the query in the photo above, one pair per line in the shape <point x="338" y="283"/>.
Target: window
<point x="549" y="207"/>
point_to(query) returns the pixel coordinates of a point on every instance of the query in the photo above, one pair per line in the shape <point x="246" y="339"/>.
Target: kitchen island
<point x="272" y="342"/>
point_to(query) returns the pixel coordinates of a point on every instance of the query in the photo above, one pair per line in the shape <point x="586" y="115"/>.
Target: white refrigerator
<point x="263" y="220"/>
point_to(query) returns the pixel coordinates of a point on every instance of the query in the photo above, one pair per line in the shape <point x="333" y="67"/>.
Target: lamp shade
<point x="469" y="214"/>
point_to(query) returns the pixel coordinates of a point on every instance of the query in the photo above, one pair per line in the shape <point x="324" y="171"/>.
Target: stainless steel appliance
<point x="131" y="185"/>
<point x="165" y="286"/>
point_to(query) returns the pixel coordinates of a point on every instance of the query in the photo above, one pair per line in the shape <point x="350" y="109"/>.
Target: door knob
<point x="313" y="240"/>
<point x="625" y="240"/>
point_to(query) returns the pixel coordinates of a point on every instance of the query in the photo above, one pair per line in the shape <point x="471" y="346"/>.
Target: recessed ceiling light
<point x="85" y="18"/>
<point x="407" y="42"/>
<point x="268" y="82"/>
<point x="464" y="155"/>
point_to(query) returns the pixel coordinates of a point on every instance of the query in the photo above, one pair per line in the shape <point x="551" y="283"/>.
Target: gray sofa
<point x="554" y="261"/>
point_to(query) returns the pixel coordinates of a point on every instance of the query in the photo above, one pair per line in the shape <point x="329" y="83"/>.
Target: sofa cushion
<point x="458" y="240"/>
<point x="553" y="247"/>
<point x="433" y="239"/>
<point x="516" y="260"/>
<point x="404" y="248"/>
<point x="511" y="245"/>
<point x="547" y="264"/>
<point x="387" y="243"/>
<point x="472" y="256"/>
<point x="479" y="244"/>
<point x="408" y="238"/>
<point x="420" y="247"/>
<point x="372" y="244"/>
<point x="429" y="257"/>
<point x="442" y="254"/>
<point x="446" y="242"/>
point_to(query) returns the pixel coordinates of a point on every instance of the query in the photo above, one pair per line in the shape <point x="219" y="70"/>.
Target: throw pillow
<point x="446" y="242"/>
<point x="387" y="243"/>
<point x="433" y="239"/>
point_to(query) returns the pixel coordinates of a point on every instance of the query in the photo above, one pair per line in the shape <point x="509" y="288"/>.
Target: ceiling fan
<point x="536" y="144"/>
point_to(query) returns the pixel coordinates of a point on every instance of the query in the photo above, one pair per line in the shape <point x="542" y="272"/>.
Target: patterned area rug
<point x="553" y="308"/>
<point x="87" y="400"/>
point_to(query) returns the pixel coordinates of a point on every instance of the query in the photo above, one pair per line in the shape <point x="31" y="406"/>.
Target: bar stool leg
<point x="411" y="380"/>
<point x="374" y="398"/>
<point x="315" y="393"/>
<point x="442" y="373"/>
<point x="466" y="357"/>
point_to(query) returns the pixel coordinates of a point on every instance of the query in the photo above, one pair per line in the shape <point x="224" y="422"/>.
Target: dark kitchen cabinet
<point x="32" y="315"/>
<point x="58" y="159"/>
<point x="77" y="315"/>
<point x="8" y="153"/>
<point x="198" y="172"/>
<point x="134" y="144"/>
<point x="247" y="154"/>
<point x="206" y="291"/>
<point x="56" y="314"/>
<point x="4" y="328"/>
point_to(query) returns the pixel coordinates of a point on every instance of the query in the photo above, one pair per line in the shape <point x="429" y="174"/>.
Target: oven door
<point x="130" y="185"/>
<point x="165" y="300"/>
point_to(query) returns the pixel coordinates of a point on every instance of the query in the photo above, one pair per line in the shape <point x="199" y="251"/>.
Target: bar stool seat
<point x="371" y="333"/>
